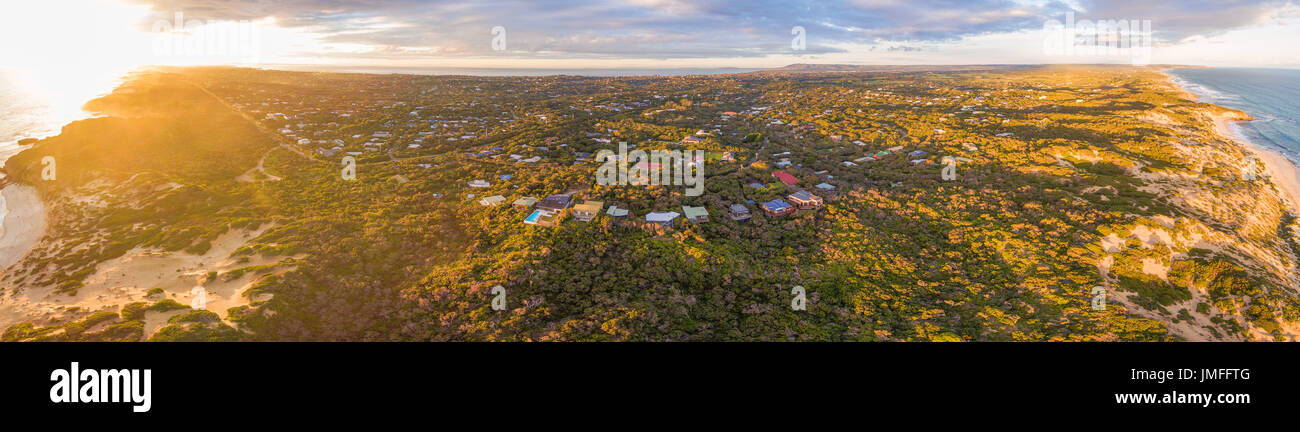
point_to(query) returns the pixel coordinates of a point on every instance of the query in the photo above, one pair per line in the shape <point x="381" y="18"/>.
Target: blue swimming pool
<point x="532" y="218"/>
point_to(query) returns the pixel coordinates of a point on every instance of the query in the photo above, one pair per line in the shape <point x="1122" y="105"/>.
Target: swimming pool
<point x="532" y="218"/>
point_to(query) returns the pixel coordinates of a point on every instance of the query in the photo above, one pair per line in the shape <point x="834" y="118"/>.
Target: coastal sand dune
<point x="127" y="279"/>
<point x="24" y="223"/>
<point x="1279" y="169"/>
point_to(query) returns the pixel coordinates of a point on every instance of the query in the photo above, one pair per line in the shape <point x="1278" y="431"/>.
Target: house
<point x="825" y="186"/>
<point x="917" y="153"/>
<point x="492" y="200"/>
<point x="691" y="140"/>
<point x="554" y="203"/>
<point x="587" y="210"/>
<point x="696" y="215"/>
<point x="777" y="208"/>
<point x="785" y="177"/>
<point x="479" y="184"/>
<point x="662" y="218"/>
<point x="614" y="211"/>
<point x="805" y="200"/>
<point x="728" y="157"/>
<point x="738" y="212"/>
<point x="524" y="203"/>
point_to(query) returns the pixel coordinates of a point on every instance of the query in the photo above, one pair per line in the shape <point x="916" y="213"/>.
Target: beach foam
<point x="1282" y="168"/>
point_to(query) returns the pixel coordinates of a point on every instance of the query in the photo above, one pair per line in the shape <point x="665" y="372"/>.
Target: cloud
<point x="662" y="29"/>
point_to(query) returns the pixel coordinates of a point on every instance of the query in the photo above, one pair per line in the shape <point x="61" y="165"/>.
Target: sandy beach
<point x="24" y="223"/>
<point x="1283" y="173"/>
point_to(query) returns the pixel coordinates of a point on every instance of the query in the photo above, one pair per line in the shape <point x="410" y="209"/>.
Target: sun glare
<point x="68" y="53"/>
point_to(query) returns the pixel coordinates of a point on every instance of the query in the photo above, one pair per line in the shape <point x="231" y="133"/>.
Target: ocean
<point x="1271" y="96"/>
<point x="33" y="106"/>
<point x="22" y="114"/>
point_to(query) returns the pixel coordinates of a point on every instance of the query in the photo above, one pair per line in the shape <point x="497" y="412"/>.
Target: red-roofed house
<point x="785" y="177"/>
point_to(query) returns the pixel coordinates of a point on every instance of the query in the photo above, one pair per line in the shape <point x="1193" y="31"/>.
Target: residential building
<point x="785" y="177"/>
<point x="738" y="212"/>
<point x="696" y="215"/>
<point x="587" y="210"/>
<point x="805" y="200"/>
<point x="662" y="218"/>
<point x="554" y="203"/>
<point x="524" y="203"/>
<point x="777" y="208"/>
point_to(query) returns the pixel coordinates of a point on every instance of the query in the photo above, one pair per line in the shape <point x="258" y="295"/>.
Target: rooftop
<point x="554" y="202"/>
<point x="803" y="195"/>
<point x="661" y="216"/>
<point x="589" y="207"/>
<point x="776" y="204"/>
<point x="695" y="212"/>
<point x="785" y="177"/>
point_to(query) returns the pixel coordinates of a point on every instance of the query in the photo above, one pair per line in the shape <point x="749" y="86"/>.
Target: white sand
<point x="1284" y="173"/>
<point x="24" y="223"/>
<point x="1280" y="170"/>
<point x="126" y="279"/>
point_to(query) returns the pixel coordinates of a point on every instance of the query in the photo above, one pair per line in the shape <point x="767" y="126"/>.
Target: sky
<point x="117" y="34"/>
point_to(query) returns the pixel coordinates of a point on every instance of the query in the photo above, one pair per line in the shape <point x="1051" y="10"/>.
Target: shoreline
<point x="1281" y="171"/>
<point x="23" y="224"/>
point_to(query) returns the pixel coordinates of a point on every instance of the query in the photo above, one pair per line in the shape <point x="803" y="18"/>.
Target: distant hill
<point x="806" y="67"/>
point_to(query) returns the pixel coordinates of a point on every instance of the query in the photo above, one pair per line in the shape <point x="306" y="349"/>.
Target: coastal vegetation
<point x="1069" y="178"/>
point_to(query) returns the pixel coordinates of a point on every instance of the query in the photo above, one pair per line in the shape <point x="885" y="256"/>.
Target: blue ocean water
<point x="1271" y="96"/>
